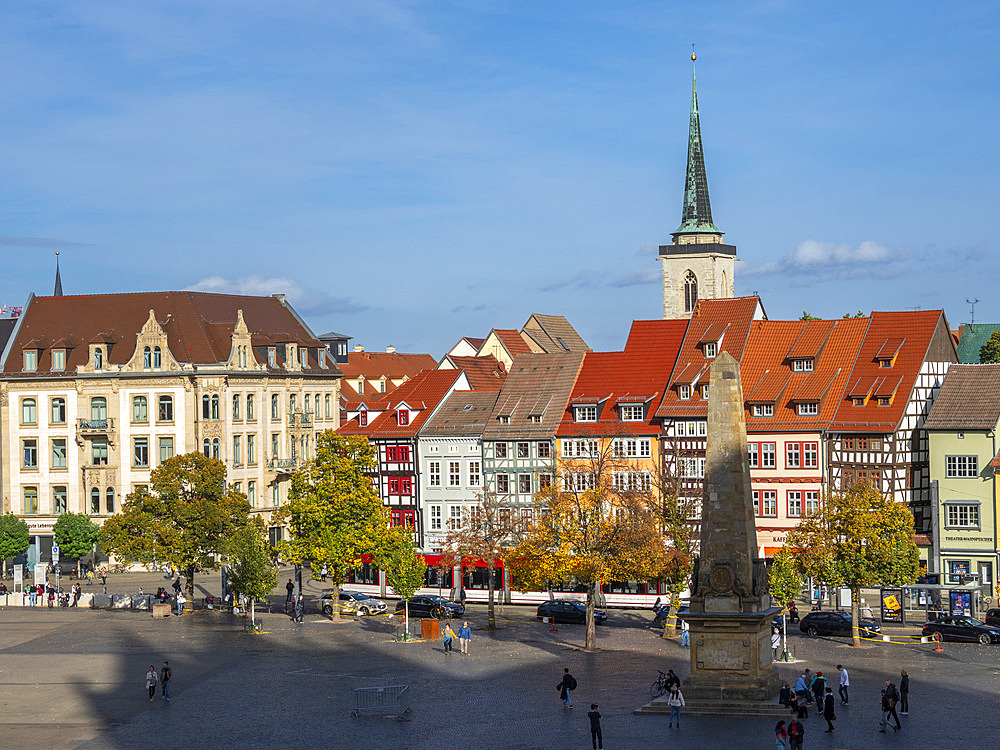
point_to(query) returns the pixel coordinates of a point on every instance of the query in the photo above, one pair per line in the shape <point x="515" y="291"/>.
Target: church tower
<point x="696" y="264"/>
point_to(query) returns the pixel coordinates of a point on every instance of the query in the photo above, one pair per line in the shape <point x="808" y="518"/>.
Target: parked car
<point x="568" y="610"/>
<point x="993" y="616"/>
<point x="431" y="606"/>
<point x="836" y="623"/>
<point x="963" y="628"/>
<point x="351" y="603"/>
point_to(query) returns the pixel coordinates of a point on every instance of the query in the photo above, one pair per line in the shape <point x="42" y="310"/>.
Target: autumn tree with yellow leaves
<point x="860" y="538"/>
<point x="598" y="522"/>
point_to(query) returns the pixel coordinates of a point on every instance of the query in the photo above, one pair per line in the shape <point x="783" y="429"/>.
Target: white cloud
<point x="304" y="300"/>
<point x="825" y="261"/>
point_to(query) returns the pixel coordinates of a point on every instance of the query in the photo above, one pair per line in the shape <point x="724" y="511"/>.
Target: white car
<point x="351" y="603"/>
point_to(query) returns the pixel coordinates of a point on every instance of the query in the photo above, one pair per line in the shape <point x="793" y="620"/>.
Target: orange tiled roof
<point x="373" y="365"/>
<point x="512" y="341"/>
<point x="910" y="336"/>
<point x="422" y="393"/>
<point x="484" y="373"/>
<point x="810" y="342"/>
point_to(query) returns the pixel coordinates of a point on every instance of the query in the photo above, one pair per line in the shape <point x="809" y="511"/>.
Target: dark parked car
<point x="431" y="606"/>
<point x="836" y="623"/>
<point x="567" y="610"/>
<point x="962" y="628"/>
<point x="993" y="617"/>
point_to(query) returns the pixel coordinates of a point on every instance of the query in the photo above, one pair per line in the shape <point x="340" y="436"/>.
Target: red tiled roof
<point x="636" y="375"/>
<point x="476" y="344"/>
<point x="767" y="365"/>
<point x="737" y="313"/>
<point x="198" y="326"/>
<point x="373" y="365"/>
<point x="484" y="373"/>
<point x="422" y="393"/>
<point x="512" y="341"/>
<point x="909" y="335"/>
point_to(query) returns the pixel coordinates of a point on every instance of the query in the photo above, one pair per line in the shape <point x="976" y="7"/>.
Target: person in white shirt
<point x="845" y="683"/>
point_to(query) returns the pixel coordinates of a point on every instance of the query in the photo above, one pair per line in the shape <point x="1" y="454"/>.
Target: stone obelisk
<point x="731" y="610"/>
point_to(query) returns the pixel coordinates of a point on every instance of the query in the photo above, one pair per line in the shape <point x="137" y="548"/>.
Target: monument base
<point x="731" y="657"/>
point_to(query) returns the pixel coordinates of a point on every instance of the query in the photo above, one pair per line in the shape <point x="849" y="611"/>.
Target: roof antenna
<point x="972" y="304"/>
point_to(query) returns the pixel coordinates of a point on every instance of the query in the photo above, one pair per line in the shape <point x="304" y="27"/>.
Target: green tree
<point x="858" y="314"/>
<point x="187" y="520"/>
<point x="404" y="569"/>
<point x="785" y="583"/>
<point x="807" y="316"/>
<point x="251" y="564"/>
<point x="679" y="514"/>
<point x="989" y="353"/>
<point x="14" y="538"/>
<point x="76" y="535"/>
<point x="859" y="538"/>
<point x="591" y="527"/>
<point x="334" y="516"/>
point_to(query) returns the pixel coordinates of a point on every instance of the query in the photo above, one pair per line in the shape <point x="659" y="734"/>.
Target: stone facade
<point x="712" y="271"/>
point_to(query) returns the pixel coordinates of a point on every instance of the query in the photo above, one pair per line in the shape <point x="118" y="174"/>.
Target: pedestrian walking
<point x="151" y="680"/>
<point x="845" y="682"/>
<point x="104" y="578"/>
<point x="685" y="633"/>
<point x="300" y="608"/>
<point x="828" y="712"/>
<point x="177" y="585"/>
<point x="796" y="734"/>
<point x="893" y="695"/>
<point x="595" y="727"/>
<point x="464" y="636"/>
<point x="818" y="687"/>
<point x="885" y="707"/>
<point x="566" y="685"/>
<point x="675" y="699"/>
<point x="90" y="578"/>
<point x="180" y="604"/>
<point x="289" y="596"/>
<point x="166" y="675"/>
<point x="448" y="636"/>
<point x="904" y="693"/>
<point x="780" y="735"/>
<point x="323" y="574"/>
<point x="32" y="595"/>
<point x="775" y="643"/>
<point x="75" y="588"/>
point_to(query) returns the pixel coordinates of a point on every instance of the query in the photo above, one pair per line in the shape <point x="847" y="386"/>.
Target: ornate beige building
<point x="96" y="391"/>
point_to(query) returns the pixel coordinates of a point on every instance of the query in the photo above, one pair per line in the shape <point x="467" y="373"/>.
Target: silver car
<point x="351" y="603"/>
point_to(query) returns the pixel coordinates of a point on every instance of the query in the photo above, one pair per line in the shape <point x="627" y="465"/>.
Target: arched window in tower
<point x="690" y="291"/>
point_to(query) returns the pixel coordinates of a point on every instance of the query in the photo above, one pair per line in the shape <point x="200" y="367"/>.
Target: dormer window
<point x="684" y="392"/>
<point x="30" y="360"/>
<point x="885" y="363"/>
<point x="504" y="419"/>
<point x="272" y="356"/>
<point x="711" y="349"/>
<point x="704" y="391"/>
<point x="361" y="385"/>
<point x="802" y="365"/>
<point x="887" y="400"/>
<point x="98" y="358"/>
<point x="808" y="410"/>
<point x="402" y="417"/>
<point x="631" y="413"/>
<point x="858" y="401"/>
<point x="585" y="414"/>
<point x="363" y="418"/>
<point x="535" y="419"/>
<point x="58" y="359"/>
<point x="147" y="358"/>
<point x="304" y="357"/>
<point x="158" y="358"/>
<point x="763" y="410"/>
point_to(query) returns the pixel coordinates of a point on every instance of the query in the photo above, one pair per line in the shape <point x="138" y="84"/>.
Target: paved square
<point x="75" y="679"/>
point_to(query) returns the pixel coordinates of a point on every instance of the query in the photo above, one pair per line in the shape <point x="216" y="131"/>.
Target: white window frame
<point x="802" y="365"/>
<point x="711" y="349"/>
<point x="684" y="392"/>
<point x="763" y="410"/>
<point x="962" y="515"/>
<point x="961" y="467"/>
<point x="808" y="409"/>
<point x="587" y="413"/>
<point x="631" y="412"/>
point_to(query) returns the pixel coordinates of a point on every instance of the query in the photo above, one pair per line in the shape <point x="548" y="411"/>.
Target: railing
<point x="281" y="463"/>
<point x="300" y="417"/>
<point x="95" y="425"/>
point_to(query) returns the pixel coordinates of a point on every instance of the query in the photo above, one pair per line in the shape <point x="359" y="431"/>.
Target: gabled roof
<point x="198" y="326"/>
<point x="913" y="337"/>
<point x="422" y="394"/>
<point x="511" y="341"/>
<point x="969" y="399"/>
<point x="974" y="335"/>
<point x="463" y="414"/>
<point x="767" y="371"/>
<point x="533" y="377"/>
<point x="393" y="365"/>
<point x="736" y="314"/>
<point x="553" y="334"/>
<point x="484" y="373"/>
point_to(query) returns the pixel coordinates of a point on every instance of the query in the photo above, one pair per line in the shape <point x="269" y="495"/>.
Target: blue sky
<point x="409" y="173"/>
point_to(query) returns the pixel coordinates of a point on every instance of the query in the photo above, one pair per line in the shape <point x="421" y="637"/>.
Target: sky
<point x="409" y="173"/>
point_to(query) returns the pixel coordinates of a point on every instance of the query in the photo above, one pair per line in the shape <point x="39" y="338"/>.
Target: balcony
<point x="95" y="426"/>
<point x="300" y="419"/>
<point x="282" y="465"/>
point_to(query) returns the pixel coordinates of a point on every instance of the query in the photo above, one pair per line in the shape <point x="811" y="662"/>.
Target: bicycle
<point x="659" y="687"/>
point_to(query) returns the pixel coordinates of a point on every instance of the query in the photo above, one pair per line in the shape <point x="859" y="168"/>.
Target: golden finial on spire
<point x="693" y="55"/>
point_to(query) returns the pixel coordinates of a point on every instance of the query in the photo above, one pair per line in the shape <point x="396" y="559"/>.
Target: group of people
<point x="815" y="689"/>
<point x="162" y="679"/>
<point x="464" y="637"/>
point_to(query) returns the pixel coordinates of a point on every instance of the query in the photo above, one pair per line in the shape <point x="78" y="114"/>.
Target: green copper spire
<point x="697" y="214"/>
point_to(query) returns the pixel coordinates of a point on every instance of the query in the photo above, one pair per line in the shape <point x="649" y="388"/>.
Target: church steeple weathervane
<point x="57" y="292"/>
<point x="696" y="216"/>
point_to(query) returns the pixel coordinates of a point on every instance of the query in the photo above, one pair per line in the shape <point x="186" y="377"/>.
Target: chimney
<point x="358" y="348"/>
<point x="390" y="349"/>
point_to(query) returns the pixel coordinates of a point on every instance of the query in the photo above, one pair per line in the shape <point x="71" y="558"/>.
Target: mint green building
<point x="962" y="441"/>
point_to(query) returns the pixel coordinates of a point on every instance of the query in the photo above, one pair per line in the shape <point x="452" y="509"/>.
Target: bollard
<point x="937" y="642"/>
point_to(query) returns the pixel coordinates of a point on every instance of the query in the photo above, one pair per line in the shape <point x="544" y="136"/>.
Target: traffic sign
<point x="55" y="552"/>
